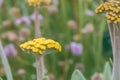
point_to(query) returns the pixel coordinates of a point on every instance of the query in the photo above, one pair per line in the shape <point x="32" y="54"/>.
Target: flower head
<point x="89" y="12"/>
<point x="89" y="28"/>
<point x="36" y="3"/>
<point x="33" y="17"/>
<point x="111" y="9"/>
<point x="76" y="48"/>
<point x="1" y="2"/>
<point x="41" y="44"/>
<point x="22" y="20"/>
<point x="97" y="76"/>
<point x="10" y="50"/>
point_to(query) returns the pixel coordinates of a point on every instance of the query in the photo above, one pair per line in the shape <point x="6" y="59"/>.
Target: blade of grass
<point x="5" y="63"/>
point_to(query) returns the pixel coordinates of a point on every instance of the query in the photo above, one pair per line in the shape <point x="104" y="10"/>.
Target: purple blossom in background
<point x="26" y="20"/>
<point x="1" y="2"/>
<point x="10" y="50"/>
<point x="22" y="20"/>
<point x="76" y="48"/>
<point x="89" y="12"/>
<point x="40" y="17"/>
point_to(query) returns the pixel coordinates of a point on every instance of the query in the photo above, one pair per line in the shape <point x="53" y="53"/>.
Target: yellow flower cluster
<point x="111" y="9"/>
<point x="41" y="44"/>
<point x="36" y="3"/>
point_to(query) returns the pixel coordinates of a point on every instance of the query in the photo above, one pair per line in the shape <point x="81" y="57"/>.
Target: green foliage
<point x="77" y="75"/>
<point x="45" y="78"/>
<point x="107" y="72"/>
<point x="1" y="78"/>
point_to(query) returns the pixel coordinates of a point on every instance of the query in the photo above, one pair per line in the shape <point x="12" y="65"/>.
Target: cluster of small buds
<point x="111" y="9"/>
<point x="37" y="3"/>
<point x="41" y="44"/>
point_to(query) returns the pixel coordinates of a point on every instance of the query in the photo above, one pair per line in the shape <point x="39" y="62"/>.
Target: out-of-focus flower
<point x="52" y="9"/>
<point x="97" y="76"/>
<point x="89" y="12"/>
<point x="12" y="36"/>
<point x="33" y="17"/>
<point x="21" y="71"/>
<point x="111" y="10"/>
<point x="37" y="3"/>
<point x="10" y="50"/>
<point x="88" y="28"/>
<point x="40" y="45"/>
<point x="22" y="20"/>
<point x="47" y="1"/>
<point x="76" y="37"/>
<point x="72" y="24"/>
<point x="51" y="76"/>
<point x="7" y="23"/>
<point x="1" y="2"/>
<point x="21" y="39"/>
<point x="2" y="71"/>
<point x="15" y="12"/>
<point x="76" y="48"/>
<point x="80" y="67"/>
<point x="25" y="32"/>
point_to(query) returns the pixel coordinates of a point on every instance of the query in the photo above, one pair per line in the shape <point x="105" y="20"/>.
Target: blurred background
<point x="82" y="33"/>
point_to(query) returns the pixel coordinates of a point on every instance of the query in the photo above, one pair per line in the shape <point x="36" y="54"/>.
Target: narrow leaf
<point x="107" y="72"/>
<point x="5" y="63"/>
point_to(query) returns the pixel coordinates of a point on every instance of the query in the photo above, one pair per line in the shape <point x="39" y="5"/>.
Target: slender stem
<point x="39" y="68"/>
<point x="40" y="60"/>
<point x="37" y="23"/>
<point x="115" y="38"/>
<point x="5" y="63"/>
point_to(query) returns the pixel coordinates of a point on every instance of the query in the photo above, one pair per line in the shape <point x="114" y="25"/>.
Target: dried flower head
<point x="37" y="3"/>
<point x="111" y="9"/>
<point x="41" y="44"/>
<point x="97" y="76"/>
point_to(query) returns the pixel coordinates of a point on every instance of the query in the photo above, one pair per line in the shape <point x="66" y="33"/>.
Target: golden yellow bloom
<point x="111" y="9"/>
<point x="41" y="44"/>
<point x="36" y="3"/>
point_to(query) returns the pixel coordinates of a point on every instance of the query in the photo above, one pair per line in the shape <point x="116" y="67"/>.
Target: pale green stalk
<point x="115" y="40"/>
<point x="39" y="59"/>
<point x="5" y="63"/>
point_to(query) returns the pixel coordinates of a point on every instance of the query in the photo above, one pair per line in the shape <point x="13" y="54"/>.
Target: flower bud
<point x="97" y="76"/>
<point x="24" y="32"/>
<point x="7" y="23"/>
<point x="72" y="24"/>
<point x="12" y="36"/>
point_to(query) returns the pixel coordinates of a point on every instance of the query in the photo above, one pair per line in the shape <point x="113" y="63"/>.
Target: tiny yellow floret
<point x="41" y="44"/>
<point x="111" y="9"/>
<point x="37" y="3"/>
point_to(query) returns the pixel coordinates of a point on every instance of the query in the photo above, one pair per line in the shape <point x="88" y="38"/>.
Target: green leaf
<point x="1" y="78"/>
<point x="5" y="63"/>
<point x="107" y="72"/>
<point x="45" y="78"/>
<point x="77" y="75"/>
